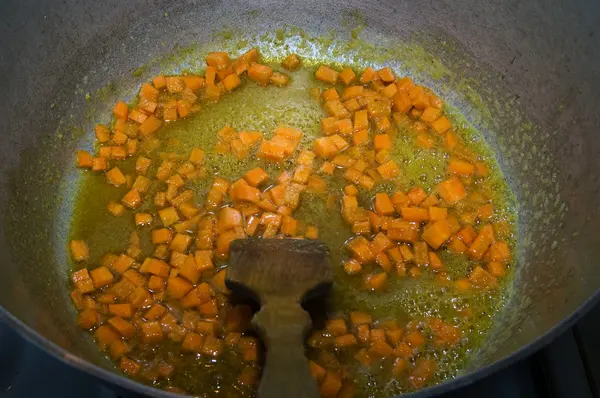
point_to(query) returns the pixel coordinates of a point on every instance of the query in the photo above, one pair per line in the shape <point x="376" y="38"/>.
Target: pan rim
<point x="466" y="379"/>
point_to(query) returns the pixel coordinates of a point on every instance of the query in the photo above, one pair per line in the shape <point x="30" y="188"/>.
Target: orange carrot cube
<point x="389" y="170"/>
<point x="441" y="125"/>
<point x="383" y="204"/>
<point x="452" y="190"/>
<point x="151" y="333"/>
<point x="360" y="249"/>
<point x="347" y="76"/>
<point x="437" y="233"/>
<point x="115" y="177"/>
<point x="121" y="110"/>
<point x="85" y="159"/>
<point x="231" y="82"/>
<point x="260" y="73"/>
<point x="79" y="250"/>
<point x="256" y="176"/>
<point x="219" y="60"/>
<point x="279" y="79"/>
<point x="101" y="276"/>
<point x="376" y="281"/>
<point x="168" y="216"/>
<point x="331" y="385"/>
<point x="291" y="62"/>
<point x="326" y="74"/>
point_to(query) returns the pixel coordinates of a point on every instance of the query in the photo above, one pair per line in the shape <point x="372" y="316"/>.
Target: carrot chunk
<point x="437" y="233"/>
<point x="79" y="250"/>
<point x="481" y="243"/>
<point x="452" y="190"/>
<point x="326" y="74"/>
<point x="260" y="73"/>
<point x="291" y="62"/>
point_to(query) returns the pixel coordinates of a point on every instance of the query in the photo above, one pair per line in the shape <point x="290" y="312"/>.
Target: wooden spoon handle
<point x="286" y="372"/>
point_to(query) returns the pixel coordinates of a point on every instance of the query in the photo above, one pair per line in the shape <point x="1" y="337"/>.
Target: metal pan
<point x="525" y="73"/>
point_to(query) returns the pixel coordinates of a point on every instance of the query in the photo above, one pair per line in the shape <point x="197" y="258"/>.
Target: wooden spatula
<point x="279" y="274"/>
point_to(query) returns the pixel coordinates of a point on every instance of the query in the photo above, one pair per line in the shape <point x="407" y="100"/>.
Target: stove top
<point x="568" y="367"/>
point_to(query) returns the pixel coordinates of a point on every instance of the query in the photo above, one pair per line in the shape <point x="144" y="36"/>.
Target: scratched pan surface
<point x="525" y="73"/>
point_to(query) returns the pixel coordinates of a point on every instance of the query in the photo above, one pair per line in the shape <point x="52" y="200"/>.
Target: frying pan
<point x="525" y="73"/>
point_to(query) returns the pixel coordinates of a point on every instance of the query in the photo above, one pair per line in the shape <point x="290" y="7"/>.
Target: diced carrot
<point x="368" y="75"/>
<point x="482" y="169"/>
<point x="79" y="250"/>
<point x="352" y="267"/>
<point x="121" y="110"/>
<point x="380" y="349"/>
<point x="151" y="333"/>
<point x="416" y="214"/>
<point x="347" y="340"/>
<point x="499" y="251"/>
<point x="330" y="94"/>
<point x="324" y="147"/>
<point x="496" y="269"/>
<point x="279" y="79"/>
<point x="421" y="254"/>
<point x="422" y="372"/>
<point x="485" y="212"/>
<point x="347" y="76"/>
<point x="168" y="216"/>
<point x="331" y="385"/>
<point x="192" y="342"/>
<point x="122" y="264"/>
<point x="452" y="190"/>
<point x="192" y="82"/>
<point x="441" y="125"/>
<point x="389" y="170"/>
<point x="260" y="73"/>
<point x="481" y="278"/>
<point x="311" y="232"/>
<point x="291" y="62"/>
<point x="402" y="231"/>
<point x="326" y="74"/>
<point x="337" y="109"/>
<point x="383" y="204"/>
<point x="99" y="164"/>
<point x="162" y="235"/>
<point x="461" y="167"/>
<point x="376" y="281"/>
<point x="159" y="82"/>
<point x="219" y="60"/>
<point x="105" y="335"/>
<point x="481" y="243"/>
<point x="435" y="262"/>
<point x="243" y="192"/>
<point x="336" y="327"/>
<point x="382" y="142"/>
<point x="231" y="82"/>
<point x="115" y="177"/>
<point x="437" y="213"/>
<point x="101" y="276"/>
<point x="229" y="218"/>
<point x="174" y="84"/>
<point x="85" y="159"/>
<point x="437" y="233"/>
<point x="329" y="125"/>
<point x="125" y="328"/>
<point x="360" y="249"/>
<point x="424" y="140"/>
<point x="150" y="125"/>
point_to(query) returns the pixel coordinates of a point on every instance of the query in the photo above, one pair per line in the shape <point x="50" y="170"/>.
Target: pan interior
<point x="534" y="152"/>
